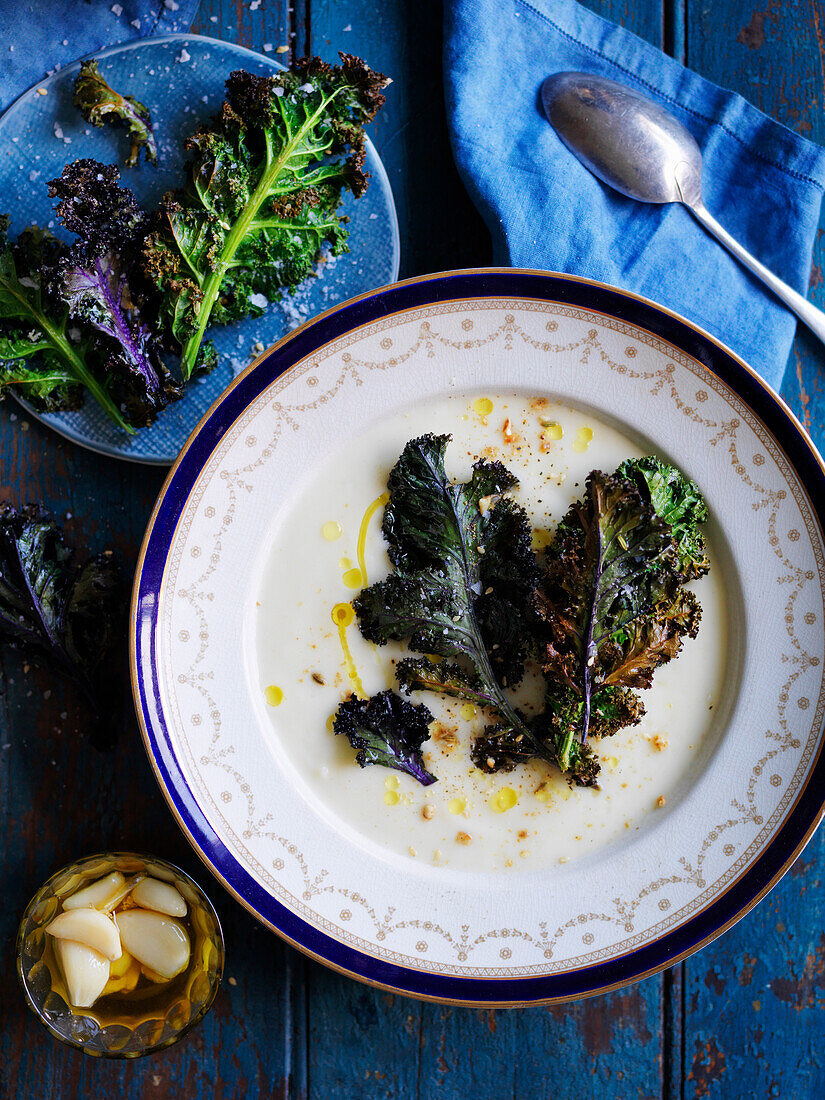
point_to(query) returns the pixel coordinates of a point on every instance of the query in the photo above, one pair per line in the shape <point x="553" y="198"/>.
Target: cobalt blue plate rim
<point x="677" y="944"/>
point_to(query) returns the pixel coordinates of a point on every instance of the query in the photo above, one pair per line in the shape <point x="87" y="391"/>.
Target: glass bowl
<point x="120" y="1026"/>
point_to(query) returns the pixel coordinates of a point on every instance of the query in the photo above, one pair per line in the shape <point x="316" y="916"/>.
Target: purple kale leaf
<point x="98" y="277"/>
<point x="56" y="611"/>
<point x="387" y="730"/>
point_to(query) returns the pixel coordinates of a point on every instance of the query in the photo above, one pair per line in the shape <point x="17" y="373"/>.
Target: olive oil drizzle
<point x="343" y="616"/>
<point x="361" y="546"/>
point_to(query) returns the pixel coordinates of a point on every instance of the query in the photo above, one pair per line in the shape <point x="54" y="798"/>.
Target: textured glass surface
<point x="115" y="1026"/>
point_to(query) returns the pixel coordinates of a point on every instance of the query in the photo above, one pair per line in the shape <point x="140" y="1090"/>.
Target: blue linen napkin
<point x="41" y="35"/>
<point x="545" y="210"/>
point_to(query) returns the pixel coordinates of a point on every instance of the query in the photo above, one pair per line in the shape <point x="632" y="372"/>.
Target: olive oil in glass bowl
<point x="124" y="1024"/>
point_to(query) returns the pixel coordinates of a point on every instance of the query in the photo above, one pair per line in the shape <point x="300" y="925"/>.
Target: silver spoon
<point x="638" y="148"/>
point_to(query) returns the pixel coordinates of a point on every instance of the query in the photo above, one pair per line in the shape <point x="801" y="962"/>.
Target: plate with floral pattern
<point x="700" y="809"/>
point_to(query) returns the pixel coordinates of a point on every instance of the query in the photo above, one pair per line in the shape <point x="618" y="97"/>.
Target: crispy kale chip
<point x="465" y="574"/>
<point x="612" y="709"/>
<point x="677" y="501"/>
<point x="99" y="103"/>
<point x="55" y="611"/>
<point x="262" y="196"/>
<point x="41" y="356"/>
<point x="96" y="280"/>
<point x="387" y="730"/>
<point x="466" y="592"/>
<point x="612" y="600"/>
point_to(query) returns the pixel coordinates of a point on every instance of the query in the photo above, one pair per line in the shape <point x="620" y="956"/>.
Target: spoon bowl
<point x="628" y="141"/>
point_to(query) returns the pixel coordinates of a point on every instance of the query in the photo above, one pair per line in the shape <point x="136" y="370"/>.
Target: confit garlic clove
<point x="153" y="976"/>
<point x="89" y="927"/>
<point x="123" y="893"/>
<point x="119" y="967"/>
<point x="96" y="894"/>
<point x="157" y="941"/>
<point x="85" y="971"/>
<point x="159" y="896"/>
<point x="125" y="982"/>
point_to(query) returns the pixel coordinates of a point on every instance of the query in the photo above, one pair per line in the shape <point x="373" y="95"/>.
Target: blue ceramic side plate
<point x="224" y="752"/>
<point x="181" y="79"/>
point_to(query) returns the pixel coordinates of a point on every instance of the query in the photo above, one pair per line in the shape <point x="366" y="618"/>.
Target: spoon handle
<point x="806" y="311"/>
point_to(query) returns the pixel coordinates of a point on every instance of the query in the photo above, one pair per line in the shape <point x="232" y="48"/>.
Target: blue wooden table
<point x="743" y="1018"/>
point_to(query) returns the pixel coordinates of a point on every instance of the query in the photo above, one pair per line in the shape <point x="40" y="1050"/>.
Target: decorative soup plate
<point x="270" y="520"/>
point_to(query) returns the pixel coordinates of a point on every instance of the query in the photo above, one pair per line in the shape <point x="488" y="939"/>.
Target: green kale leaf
<point x="41" y="356"/>
<point x="99" y="103"/>
<point x="55" y="611"/>
<point x="612" y="600"/>
<point x="387" y="730"/>
<point x="677" y="501"/>
<point x="612" y="709"/>
<point x="262" y="196"/>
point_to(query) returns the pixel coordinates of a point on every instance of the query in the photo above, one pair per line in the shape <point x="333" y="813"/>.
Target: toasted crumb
<point x="660" y="801"/>
<point x="428" y="811"/>
<point x="318" y="678"/>
<point x="412" y="851"/>
<point x="524" y="853"/>
<point x="446" y="736"/>
<point x="522" y="834"/>
<point x="463" y="838"/>
<point x="491" y="762"/>
<point x="563" y="859"/>
<point x="659" y="742"/>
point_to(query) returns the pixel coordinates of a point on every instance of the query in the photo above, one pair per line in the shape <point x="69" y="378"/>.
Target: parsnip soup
<point x="327" y="545"/>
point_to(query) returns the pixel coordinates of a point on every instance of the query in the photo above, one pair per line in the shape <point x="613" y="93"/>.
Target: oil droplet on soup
<point x="392" y="798"/>
<point x="457" y="805"/>
<point x="468" y="711"/>
<point x="584" y="437"/>
<point x="503" y="800"/>
<point x="353" y="578"/>
<point x="342" y="614"/>
<point x="483" y="406"/>
<point x="332" y="530"/>
<point x="274" y="695"/>
<point x="391" y="782"/>
<point x="553" y="430"/>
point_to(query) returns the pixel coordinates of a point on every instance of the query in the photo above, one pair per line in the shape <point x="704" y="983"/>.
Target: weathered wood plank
<point x="440" y="228"/>
<point x="60" y="798"/>
<point x="755" y="998"/>
<point x="773" y="54"/>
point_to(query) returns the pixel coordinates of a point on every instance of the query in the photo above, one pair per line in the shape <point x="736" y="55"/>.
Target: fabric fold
<point x="761" y="180"/>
